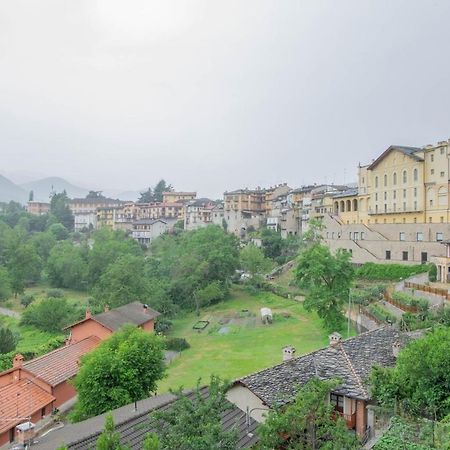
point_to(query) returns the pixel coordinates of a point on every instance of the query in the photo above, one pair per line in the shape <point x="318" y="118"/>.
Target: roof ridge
<point x="353" y="370"/>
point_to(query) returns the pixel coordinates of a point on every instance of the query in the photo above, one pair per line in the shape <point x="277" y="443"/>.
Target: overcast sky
<point x="215" y="95"/>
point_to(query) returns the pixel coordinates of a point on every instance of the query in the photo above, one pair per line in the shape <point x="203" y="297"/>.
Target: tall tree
<point x="147" y="196"/>
<point x="59" y="207"/>
<point x="308" y="423"/>
<point x="122" y="369"/>
<point x="255" y="263"/>
<point x="95" y="194"/>
<point x="24" y="265"/>
<point x="110" y="438"/>
<point x="326" y="279"/>
<point x="194" y="422"/>
<point x="158" y="190"/>
<point x="122" y="282"/>
<point x="5" y="284"/>
<point x="66" y="266"/>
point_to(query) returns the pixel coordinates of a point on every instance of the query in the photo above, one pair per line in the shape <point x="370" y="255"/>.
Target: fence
<point x="432" y="290"/>
<point x="389" y="299"/>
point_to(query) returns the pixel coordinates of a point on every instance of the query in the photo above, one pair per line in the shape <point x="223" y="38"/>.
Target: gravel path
<point x="434" y="300"/>
<point x="397" y="312"/>
<point x="9" y="313"/>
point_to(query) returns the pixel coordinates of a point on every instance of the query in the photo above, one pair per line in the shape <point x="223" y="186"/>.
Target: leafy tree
<point x="51" y="314"/>
<point x="66" y="266"/>
<point x="419" y="384"/>
<point x="43" y="243"/>
<point x="31" y="196"/>
<point x="122" y="282"/>
<point x="24" y="265"/>
<point x="255" y="263"/>
<point x="5" y="284"/>
<point x="59" y="207"/>
<point x="211" y="293"/>
<point x="194" y="422"/>
<point x="109" y="439"/>
<point x="147" y="196"/>
<point x="59" y="231"/>
<point x="122" y="369"/>
<point x="308" y="423"/>
<point x="26" y="300"/>
<point x="12" y="212"/>
<point x="158" y="190"/>
<point x="108" y="246"/>
<point x="326" y="279"/>
<point x="8" y="340"/>
<point x="277" y="248"/>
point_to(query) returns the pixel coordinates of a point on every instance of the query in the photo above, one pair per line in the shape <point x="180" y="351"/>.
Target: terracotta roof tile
<point x="19" y="401"/>
<point x="60" y="364"/>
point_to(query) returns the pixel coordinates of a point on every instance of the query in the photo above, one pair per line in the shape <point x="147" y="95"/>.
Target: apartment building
<point x="177" y="197"/>
<point x="84" y="210"/>
<point x="400" y="210"/>
<point x="198" y="213"/>
<point x="38" y="208"/>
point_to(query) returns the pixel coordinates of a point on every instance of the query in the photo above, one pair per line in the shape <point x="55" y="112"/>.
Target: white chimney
<point x="288" y="353"/>
<point x="335" y="338"/>
<point x="396" y="347"/>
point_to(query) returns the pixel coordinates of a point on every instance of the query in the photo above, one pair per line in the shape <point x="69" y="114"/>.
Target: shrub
<point x="55" y="293"/>
<point x="366" y="295"/>
<point x="177" y="344"/>
<point x="391" y="272"/>
<point x="26" y="300"/>
<point x="410" y="301"/>
<point x="382" y="314"/>
<point x="163" y="325"/>
<point x="432" y="273"/>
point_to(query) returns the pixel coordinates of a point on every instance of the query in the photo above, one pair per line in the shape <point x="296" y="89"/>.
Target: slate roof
<point x="148" y="221"/>
<point x="134" y="425"/>
<point x="351" y="361"/>
<point x="131" y="313"/>
<point x="60" y="364"/>
<point x="408" y="151"/>
<point x="348" y="193"/>
<point x="20" y="400"/>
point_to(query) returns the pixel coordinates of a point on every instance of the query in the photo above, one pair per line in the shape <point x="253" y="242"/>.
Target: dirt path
<point x="9" y="313"/>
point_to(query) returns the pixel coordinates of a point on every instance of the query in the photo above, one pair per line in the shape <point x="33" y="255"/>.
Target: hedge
<point x="364" y="296"/>
<point x="389" y="272"/>
<point x="177" y="344"/>
<point x="408" y="300"/>
<point x="382" y="314"/>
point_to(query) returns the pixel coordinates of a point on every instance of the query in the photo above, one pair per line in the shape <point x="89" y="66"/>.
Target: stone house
<point x="350" y="361"/>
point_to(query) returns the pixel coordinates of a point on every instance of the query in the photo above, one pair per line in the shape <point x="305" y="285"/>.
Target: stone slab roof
<point x="351" y="361"/>
<point x="20" y="400"/>
<point x="131" y="313"/>
<point x="134" y="425"/>
<point x="60" y="364"/>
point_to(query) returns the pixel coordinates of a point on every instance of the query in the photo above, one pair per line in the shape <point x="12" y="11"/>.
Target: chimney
<point x="288" y="353"/>
<point x="396" y="347"/>
<point x="106" y="308"/>
<point x="145" y="308"/>
<point x="18" y="361"/>
<point x="335" y="338"/>
<point x="88" y="313"/>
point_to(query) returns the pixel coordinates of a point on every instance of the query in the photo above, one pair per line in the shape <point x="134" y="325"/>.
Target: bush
<point x="177" y="344"/>
<point x="26" y="300"/>
<point x="163" y="325"/>
<point x="390" y="272"/>
<point x="432" y="273"/>
<point x="55" y="293"/>
<point x="410" y="301"/>
<point x="366" y="295"/>
<point x="381" y="313"/>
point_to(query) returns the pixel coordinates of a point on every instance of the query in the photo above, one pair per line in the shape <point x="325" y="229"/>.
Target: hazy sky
<point x="217" y="95"/>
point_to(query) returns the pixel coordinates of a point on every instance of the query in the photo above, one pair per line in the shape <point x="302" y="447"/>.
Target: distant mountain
<point x="43" y="188"/>
<point x="10" y="191"/>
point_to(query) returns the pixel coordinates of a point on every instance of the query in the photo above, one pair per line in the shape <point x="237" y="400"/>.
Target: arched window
<point x="405" y="176"/>
<point x="385" y="179"/>
<point x="394" y="178"/>
<point x="342" y="208"/>
<point x="376" y="182"/>
<point x="336" y="207"/>
<point x="348" y="205"/>
<point x="355" y="205"/>
<point x="416" y="174"/>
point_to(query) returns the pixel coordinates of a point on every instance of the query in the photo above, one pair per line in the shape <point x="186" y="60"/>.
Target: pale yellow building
<point x="176" y="197"/>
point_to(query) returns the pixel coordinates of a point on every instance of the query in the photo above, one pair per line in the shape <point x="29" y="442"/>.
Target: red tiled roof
<point x="19" y="401"/>
<point x="60" y="364"/>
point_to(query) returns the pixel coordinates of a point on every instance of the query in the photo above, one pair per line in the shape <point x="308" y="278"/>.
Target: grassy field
<point x="248" y="345"/>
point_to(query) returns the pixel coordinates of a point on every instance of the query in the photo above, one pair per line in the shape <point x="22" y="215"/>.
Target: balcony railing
<point x="350" y="419"/>
<point x="382" y="211"/>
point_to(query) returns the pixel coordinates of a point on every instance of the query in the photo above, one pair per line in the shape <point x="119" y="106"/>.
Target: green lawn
<point x="249" y="346"/>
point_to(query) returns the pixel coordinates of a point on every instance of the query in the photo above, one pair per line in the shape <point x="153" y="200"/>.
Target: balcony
<point x="380" y="212"/>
